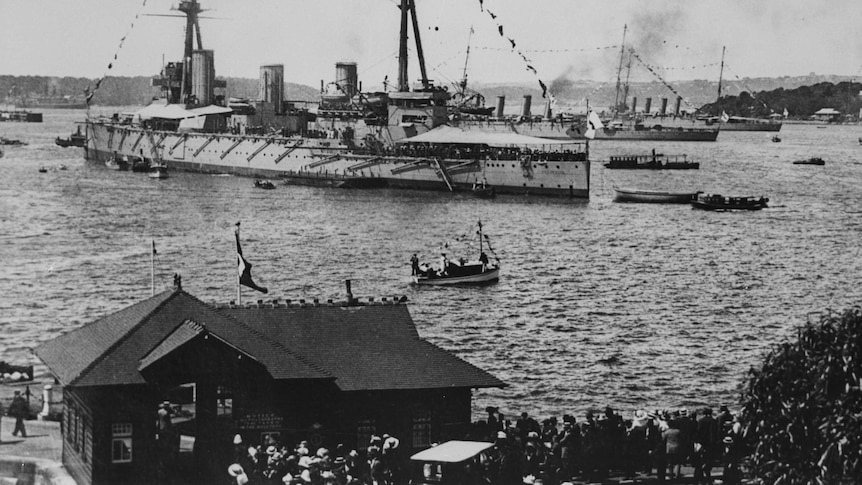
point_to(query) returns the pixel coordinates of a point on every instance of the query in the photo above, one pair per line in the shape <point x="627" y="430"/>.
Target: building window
<point x="364" y="431"/>
<point x="421" y="432"/>
<point x="224" y="401"/>
<point x="121" y="442"/>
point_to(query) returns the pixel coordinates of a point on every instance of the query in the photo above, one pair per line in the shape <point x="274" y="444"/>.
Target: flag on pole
<point x="785" y="112"/>
<point x="244" y="268"/>
<point x="593" y="123"/>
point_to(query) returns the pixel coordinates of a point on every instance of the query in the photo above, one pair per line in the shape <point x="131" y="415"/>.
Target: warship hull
<point x="329" y="162"/>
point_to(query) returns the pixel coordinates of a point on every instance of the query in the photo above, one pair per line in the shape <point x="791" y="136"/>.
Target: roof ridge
<point x="300" y="357"/>
<point x="126" y="335"/>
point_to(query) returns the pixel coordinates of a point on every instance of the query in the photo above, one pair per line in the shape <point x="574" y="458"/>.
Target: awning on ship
<point x="455" y="135"/>
<point x="211" y="110"/>
<point x="165" y="112"/>
<point x="179" y="112"/>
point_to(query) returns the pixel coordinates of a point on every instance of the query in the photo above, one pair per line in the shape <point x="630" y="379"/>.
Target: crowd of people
<point x="276" y="463"/>
<point x="656" y="443"/>
<point x="552" y="452"/>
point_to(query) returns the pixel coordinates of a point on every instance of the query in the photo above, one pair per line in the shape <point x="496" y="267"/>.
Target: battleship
<point x="400" y="139"/>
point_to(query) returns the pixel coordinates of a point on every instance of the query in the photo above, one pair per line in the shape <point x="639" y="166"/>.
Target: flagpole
<point x="238" y="275"/>
<point x="153" y="269"/>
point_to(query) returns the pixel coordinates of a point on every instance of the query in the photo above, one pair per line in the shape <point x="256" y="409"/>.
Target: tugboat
<point x="461" y="271"/>
<point x="76" y="139"/>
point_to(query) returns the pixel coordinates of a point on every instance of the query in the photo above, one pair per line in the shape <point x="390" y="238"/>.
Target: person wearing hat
<point x="19" y="410"/>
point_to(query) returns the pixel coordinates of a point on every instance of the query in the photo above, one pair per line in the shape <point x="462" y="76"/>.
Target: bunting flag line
<point x="583" y="49"/>
<point x="244" y="268"/>
<point x="657" y="76"/>
<point x="527" y="62"/>
<point x="87" y="92"/>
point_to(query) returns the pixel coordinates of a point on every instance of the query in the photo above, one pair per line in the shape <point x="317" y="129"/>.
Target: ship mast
<point x="409" y="7"/>
<point x="463" y="83"/>
<point x="619" y="70"/>
<point x="721" y="72"/>
<point x="191" y="8"/>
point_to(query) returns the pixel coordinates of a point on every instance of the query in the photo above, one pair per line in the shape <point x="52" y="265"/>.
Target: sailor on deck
<point x="483" y="258"/>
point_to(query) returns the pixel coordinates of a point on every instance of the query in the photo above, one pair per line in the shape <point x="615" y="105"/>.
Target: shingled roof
<point x="110" y="350"/>
<point x="374" y="347"/>
<point x="368" y="347"/>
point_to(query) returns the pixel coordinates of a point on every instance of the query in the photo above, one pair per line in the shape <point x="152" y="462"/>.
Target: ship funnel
<point x="678" y="103"/>
<point x="501" y="104"/>
<point x="648" y="106"/>
<point x="203" y="77"/>
<point x="634" y="104"/>
<point x="346" y="77"/>
<point x="525" y="106"/>
<point x="663" y="106"/>
<point x="271" y="86"/>
<point x="548" y="114"/>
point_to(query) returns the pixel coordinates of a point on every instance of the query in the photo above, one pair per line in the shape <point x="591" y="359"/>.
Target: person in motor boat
<point x="444" y="265"/>
<point x="483" y="258"/>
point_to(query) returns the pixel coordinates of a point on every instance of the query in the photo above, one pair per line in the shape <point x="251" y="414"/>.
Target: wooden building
<point x="326" y="373"/>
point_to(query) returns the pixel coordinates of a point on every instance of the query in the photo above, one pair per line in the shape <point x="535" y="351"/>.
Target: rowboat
<point x="652" y="196"/>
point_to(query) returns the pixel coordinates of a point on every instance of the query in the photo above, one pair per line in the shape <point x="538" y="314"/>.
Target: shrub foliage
<point x="803" y="406"/>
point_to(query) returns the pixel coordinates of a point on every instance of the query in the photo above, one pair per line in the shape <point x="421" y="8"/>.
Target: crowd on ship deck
<point x="478" y="152"/>
<point x="552" y="452"/>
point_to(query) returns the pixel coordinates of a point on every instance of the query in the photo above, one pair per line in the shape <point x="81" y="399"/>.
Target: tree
<point x="803" y="406"/>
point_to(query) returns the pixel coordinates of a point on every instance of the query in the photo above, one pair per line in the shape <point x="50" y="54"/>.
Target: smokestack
<point x="349" y="293"/>
<point x="203" y="76"/>
<point x="548" y="110"/>
<point x="663" y="106"/>
<point x="634" y="104"/>
<point x="272" y="86"/>
<point x="648" y="105"/>
<point x="678" y="103"/>
<point x="321" y="86"/>
<point x="525" y="106"/>
<point x="501" y="104"/>
<point x="346" y="77"/>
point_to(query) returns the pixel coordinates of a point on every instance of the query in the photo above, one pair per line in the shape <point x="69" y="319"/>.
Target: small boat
<point x="11" y="142"/>
<point x="718" y="202"/>
<point x="776" y="139"/>
<point x="461" y="271"/>
<point x="117" y="162"/>
<point x="43" y="170"/>
<point x="158" y="171"/>
<point x="653" y="196"/>
<point x="810" y="161"/>
<point x="264" y="184"/>
<point x="76" y="139"/>
<point x="483" y="190"/>
<point x="653" y="161"/>
<point x="61" y="167"/>
<point x="140" y="164"/>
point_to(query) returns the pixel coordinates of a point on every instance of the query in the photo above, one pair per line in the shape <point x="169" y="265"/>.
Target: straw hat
<point x="235" y="470"/>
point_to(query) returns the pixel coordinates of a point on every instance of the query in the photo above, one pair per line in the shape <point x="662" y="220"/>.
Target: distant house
<point x="827" y="114"/>
<point x="330" y="374"/>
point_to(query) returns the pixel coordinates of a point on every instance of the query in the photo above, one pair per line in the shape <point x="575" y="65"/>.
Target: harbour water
<point x="599" y="303"/>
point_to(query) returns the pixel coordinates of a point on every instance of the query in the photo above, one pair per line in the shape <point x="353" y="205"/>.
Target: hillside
<point x="802" y="95"/>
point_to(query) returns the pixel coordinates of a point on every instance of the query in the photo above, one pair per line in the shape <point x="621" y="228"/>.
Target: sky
<point x="576" y="39"/>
